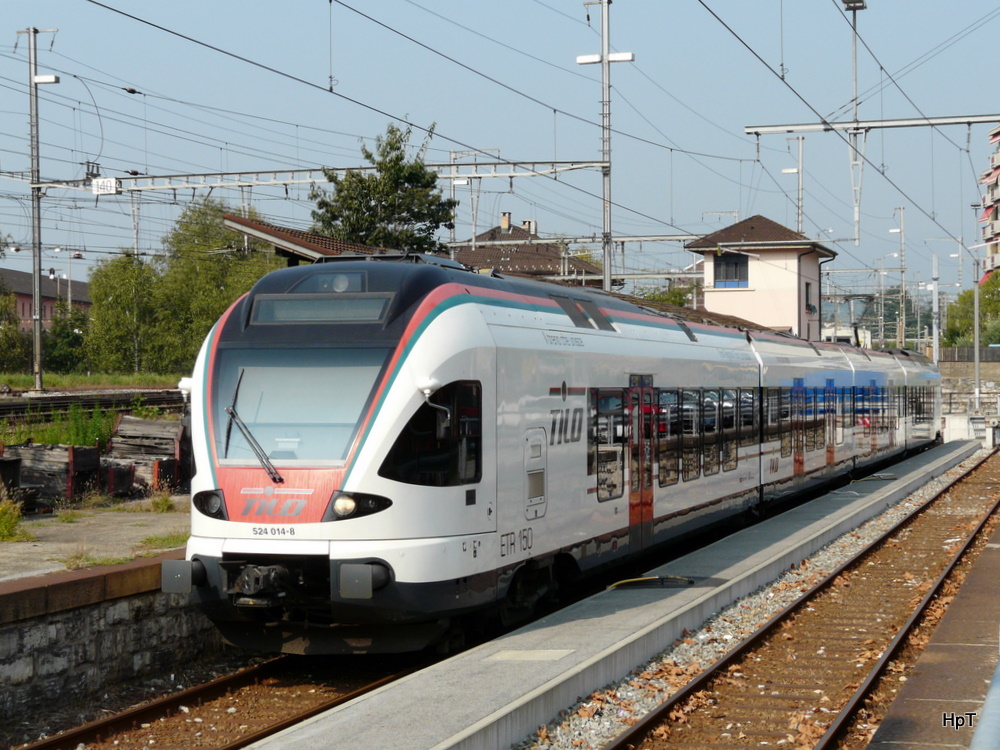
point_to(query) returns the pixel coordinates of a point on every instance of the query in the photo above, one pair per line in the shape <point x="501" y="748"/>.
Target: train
<point x="387" y="447"/>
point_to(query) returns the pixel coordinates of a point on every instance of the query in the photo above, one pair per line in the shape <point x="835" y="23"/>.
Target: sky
<point x="192" y="87"/>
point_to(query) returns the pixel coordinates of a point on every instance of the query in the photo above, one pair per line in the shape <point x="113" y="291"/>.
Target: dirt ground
<point x="98" y="536"/>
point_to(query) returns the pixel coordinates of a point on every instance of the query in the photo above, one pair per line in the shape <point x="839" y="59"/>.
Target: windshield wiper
<point x="229" y="422"/>
<point x="254" y="446"/>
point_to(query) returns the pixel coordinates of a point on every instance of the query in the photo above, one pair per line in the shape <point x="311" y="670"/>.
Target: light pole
<point x="857" y="165"/>
<point x="881" y="299"/>
<point x="605" y="59"/>
<point x="34" y="79"/>
<point x="901" y="318"/>
<point x="71" y="255"/>
<point x="797" y="171"/>
<point x="975" y="319"/>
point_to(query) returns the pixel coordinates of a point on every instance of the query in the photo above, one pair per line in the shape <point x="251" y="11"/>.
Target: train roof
<point x="423" y="272"/>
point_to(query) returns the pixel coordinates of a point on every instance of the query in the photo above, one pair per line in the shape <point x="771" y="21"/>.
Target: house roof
<point x="758" y="232"/>
<point x="529" y="254"/>
<point x="534" y="257"/>
<point x="20" y="282"/>
<point x="295" y="242"/>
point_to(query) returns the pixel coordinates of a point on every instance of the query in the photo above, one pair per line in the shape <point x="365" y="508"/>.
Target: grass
<point x="82" y="558"/>
<point x="148" y="547"/>
<point x="56" y="382"/>
<point x="77" y="427"/>
<point x="166" y="541"/>
<point x="162" y="503"/>
<point x="11" y="529"/>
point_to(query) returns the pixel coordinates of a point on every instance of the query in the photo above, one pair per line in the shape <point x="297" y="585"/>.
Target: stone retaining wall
<point x="76" y="634"/>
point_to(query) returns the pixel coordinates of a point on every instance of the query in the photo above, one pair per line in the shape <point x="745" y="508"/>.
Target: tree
<point x="397" y="206"/>
<point x="122" y="315"/>
<point x="63" y="349"/>
<point x="204" y="269"/>
<point x="15" y="345"/>
<point x="678" y="295"/>
<point x="959" y="331"/>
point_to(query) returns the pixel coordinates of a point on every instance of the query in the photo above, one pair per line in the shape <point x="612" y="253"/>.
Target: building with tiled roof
<point x="521" y="252"/>
<point x="294" y="244"/>
<point x="518" y="249"/>
<point x="53" y="288"/>
<point x="761" y="270"/>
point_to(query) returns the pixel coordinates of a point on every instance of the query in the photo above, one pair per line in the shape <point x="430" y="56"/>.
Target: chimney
<point x="530" y="226"/>
<point x="505" y="221"/>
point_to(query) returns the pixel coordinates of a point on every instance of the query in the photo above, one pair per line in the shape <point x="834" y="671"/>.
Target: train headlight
<point x="344" y="505"/>
<point x="211" y="503"/>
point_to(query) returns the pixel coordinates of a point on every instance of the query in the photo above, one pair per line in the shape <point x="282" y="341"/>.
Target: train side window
<point x="810" y="416"/>
<point x="772" y="414"/>
<point x="438" y="450"/>
<point x="843" y="415"/>
<point x="691" y="407"/>
<point x="730" y="429"/>
<point x="668" y="435"/>
<point x="606" y="441"/>
<point x="785" y="428"/>
<point x="711" y="431"/>
<point x="747" y="416"/>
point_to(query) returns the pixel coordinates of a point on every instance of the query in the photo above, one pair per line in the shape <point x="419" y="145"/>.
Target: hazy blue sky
<point x="228" y="86"/>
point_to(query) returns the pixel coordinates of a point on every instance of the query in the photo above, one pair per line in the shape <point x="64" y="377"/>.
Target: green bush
<point x="78" y="427"/>
<point x="10" y="521"/>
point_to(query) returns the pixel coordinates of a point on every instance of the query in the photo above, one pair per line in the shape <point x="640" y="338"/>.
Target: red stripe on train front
<point x="251" y="496"/>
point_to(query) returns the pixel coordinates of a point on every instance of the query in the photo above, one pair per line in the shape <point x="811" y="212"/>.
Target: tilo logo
<point x="271" y="504"/>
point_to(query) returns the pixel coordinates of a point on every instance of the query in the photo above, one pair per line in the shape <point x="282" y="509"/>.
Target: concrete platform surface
<point x="495" y="695"/>
<point x="100" y="535"/>
<point x="940" y="704"/>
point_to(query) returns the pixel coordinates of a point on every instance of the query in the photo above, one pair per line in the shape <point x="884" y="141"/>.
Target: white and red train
<point x="383" y="446"/>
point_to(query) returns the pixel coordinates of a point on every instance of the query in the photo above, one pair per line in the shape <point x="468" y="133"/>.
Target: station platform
<point x="499" y="693"/>
<point x="99" y="536"/>
<point x="941" y="703"/>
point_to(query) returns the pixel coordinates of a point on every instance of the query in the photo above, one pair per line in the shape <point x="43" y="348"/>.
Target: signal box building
<point x="762" y="271"/>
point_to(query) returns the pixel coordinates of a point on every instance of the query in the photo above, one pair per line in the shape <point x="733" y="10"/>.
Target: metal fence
<point x="968" y="354"/>
<point x="962" y="402"/>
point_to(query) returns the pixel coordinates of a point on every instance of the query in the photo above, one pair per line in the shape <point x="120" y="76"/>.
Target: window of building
<point x="732" y="270"/>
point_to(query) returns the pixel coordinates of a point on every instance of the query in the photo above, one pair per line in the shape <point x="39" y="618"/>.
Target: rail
<point x="46" y="407"/>
<point x="782" y="706"/>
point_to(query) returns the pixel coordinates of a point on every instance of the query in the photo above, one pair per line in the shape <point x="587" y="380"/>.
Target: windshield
<point x="301" y="405"/>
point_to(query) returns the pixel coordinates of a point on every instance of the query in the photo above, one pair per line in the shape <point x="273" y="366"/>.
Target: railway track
<point x="46" y="407"/>
<point x="235" y="710"/>
<point x="800" y="679"/>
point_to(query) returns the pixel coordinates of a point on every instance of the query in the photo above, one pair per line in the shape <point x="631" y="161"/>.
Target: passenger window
<point x="691" y="409"/>
<point x="606" y="438"/>
<point x="441" y="445"/>
<point x="668" y="437"/>
<point x="711" y="429"/>
<point x="747" y="416"/>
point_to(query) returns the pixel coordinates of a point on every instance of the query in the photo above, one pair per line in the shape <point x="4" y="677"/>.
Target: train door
<point x="642" y="433"/>
<point x="534" y="474"/>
